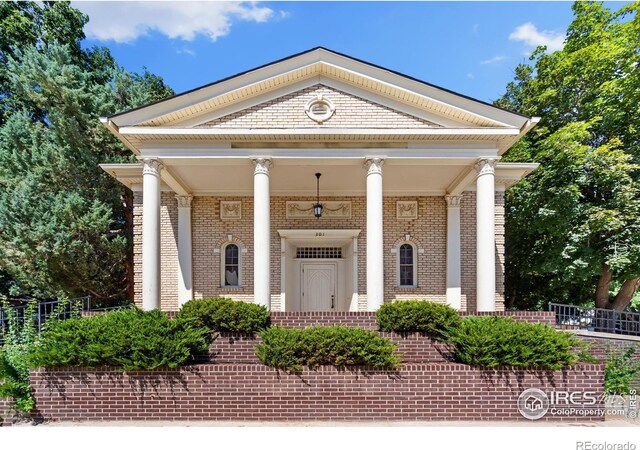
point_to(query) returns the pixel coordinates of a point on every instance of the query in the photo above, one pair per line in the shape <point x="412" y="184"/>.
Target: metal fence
<point x="43" y="310"/>
<point x="597" y="319"/>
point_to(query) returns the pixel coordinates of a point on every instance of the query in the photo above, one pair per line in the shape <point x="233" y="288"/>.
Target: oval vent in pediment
<point x="320" y="109"/>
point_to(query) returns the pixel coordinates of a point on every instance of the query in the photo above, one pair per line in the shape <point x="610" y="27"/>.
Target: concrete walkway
<point x="163" y="423"/>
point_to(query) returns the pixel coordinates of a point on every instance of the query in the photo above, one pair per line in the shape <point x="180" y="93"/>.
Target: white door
<point x="319" y="287"/>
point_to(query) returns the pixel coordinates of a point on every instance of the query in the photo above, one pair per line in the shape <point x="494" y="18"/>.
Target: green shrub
<point x="224" y="314"/>
<point x="499" y="341"/>
<point x="423" y="316"/>
<point x="129" y="339"/>
<point x="621" y="372"/>
<point x="19" y="338"/>
<point x="292" y="349"/>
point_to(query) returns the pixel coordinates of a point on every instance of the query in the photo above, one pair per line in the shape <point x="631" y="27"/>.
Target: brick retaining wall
<point x="546" y="317"/>
<point x="368" y="319"/>
<point x="603" y="344"/>
<point x="255" y="392"/>
<point x="5" y="412"/>
<point x="239" y="348"/>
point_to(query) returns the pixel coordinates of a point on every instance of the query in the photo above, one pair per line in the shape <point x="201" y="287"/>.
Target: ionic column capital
<point x="184" y="201"/>
<point x="262" y="165"/>
<point x="486" y="166"/>
<point x="374" y="165"/>
<point x="151" y="167"/>
<point x="453" y="201"/>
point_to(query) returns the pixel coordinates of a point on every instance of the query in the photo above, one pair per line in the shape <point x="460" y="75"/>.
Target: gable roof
<point x="349" y="111"/>
<point x="454" y="109"/>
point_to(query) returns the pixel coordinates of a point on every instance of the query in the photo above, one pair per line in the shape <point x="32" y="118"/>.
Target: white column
<point x="261" y="232"/>
<point x="375" y="263"/>
<point x="485" y="238"/>
<point x="185" y="289"/>
<point x="151" y="234"/>
<point x="454" y="286"/>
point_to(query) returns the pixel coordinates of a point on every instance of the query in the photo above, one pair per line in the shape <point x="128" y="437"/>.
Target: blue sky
<point x="468" y="47"/>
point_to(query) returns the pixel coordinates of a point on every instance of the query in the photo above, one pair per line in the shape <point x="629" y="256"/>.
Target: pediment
<point x="248" y="95"/>
<point x="293" y="111"/>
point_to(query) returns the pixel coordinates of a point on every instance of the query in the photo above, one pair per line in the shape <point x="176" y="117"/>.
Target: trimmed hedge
<point x="130" y="339"/>
<point x="500" y="341"/>
<point x="291" y="349"/>
<point x="427" y="317"/>
<point x="224" y="314"/>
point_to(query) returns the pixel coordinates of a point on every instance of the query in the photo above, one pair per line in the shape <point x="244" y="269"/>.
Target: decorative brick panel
<point x="254" y="392"/>
<point x="289" y="112"/>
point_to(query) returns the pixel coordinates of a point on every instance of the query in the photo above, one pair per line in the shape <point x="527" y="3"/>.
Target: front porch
<point x="310" y="264"/>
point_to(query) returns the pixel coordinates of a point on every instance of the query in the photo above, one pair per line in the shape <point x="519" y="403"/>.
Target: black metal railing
<point x="39" y="312"/>
<point x="597" y="319"/>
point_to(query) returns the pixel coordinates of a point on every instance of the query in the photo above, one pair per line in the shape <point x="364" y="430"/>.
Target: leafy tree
<point x="573" y="226"/>
<point x="65" y="226"/>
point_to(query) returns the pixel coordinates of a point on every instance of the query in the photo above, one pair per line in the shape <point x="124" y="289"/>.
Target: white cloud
<point x="186" y="51"/>
<point x="127" y="21"/>
<point x="470" y="75"/>
<point x="495" y="59"/>
<point x="530" y="35"/>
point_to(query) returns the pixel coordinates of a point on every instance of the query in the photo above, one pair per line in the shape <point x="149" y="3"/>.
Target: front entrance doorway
<point x="319" y="286"/>
<point x="319" y="270"/>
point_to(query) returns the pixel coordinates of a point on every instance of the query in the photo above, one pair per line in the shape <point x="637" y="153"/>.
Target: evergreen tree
<point x="65" y="226"/>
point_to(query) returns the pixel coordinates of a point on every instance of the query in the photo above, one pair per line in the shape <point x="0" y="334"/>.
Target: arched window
<point x="231" y="267"/>
<point x="407" y="272"/>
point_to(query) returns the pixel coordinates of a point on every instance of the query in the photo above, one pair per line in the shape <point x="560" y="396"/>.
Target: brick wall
<point x="6" y="413"/>
<point x="367" y="320"/>
<point x="239" y="348"/>
<point x="428" y="233"/>
<point x="362" y="319"/>
<point x="288" y="111"/>
<point x="545" y="317"/>
<point x="254" y="392"/>
<point x="610" y="344"/>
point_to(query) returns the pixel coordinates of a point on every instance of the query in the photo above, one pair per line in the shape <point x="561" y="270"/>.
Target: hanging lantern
<point x="317" y="208"/>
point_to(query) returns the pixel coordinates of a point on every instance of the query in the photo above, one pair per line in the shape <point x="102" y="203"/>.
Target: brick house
<point x="319" y="183"/>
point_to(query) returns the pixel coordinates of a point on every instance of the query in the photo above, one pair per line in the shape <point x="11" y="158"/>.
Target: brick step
<point x="239" y="348"/>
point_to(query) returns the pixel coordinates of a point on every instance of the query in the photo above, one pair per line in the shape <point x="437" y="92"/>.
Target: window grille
<point x="319" y="252"/>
